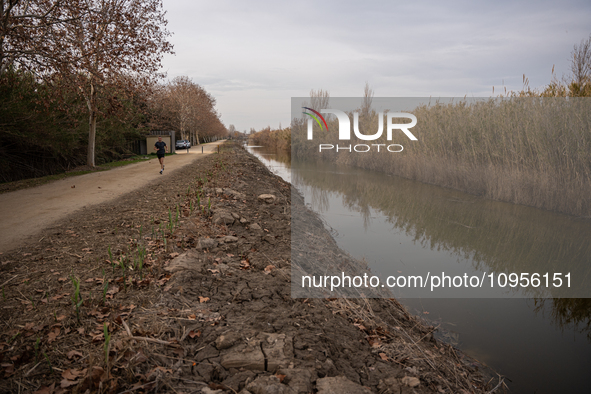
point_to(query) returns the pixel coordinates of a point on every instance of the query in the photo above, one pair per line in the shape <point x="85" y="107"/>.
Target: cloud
<point x="254" y="56"/>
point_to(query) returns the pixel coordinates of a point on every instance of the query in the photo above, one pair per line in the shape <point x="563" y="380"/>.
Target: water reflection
<point x="491" y="236"/>
<point x="568" y="313"/>
<point x="279" y="162"/>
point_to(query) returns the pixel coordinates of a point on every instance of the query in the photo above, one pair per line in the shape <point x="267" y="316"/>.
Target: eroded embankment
<point x="209" y="307"/>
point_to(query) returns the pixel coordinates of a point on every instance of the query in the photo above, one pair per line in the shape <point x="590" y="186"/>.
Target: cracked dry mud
<point x="210" y="309"/>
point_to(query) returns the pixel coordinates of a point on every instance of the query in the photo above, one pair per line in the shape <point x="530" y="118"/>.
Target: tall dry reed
<point x="272" y="138"/>
<point x="531" y="151"/>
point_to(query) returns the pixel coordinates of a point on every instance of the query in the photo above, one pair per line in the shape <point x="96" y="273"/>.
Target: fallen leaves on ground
<point x="70" y="377"/>
<point x="268" y="269"/>
<point x="244" y="265"/>
<point x="53" y="334"/>
<point x="73" y="353"/>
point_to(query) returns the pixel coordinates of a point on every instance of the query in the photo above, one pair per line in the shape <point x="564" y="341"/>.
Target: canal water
<point x="542" y="345"/>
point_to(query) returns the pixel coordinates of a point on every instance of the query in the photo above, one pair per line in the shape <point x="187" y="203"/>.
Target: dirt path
<point x="25" y="213"/>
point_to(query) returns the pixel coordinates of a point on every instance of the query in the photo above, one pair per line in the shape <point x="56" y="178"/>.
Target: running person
<point x="160" y="148"/>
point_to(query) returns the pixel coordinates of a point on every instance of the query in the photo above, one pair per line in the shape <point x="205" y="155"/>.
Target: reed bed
<point x="532" y="151"/>
<point x="279" y="139"/>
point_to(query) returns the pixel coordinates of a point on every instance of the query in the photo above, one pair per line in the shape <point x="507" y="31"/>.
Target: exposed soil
<point x="209" y="308"/>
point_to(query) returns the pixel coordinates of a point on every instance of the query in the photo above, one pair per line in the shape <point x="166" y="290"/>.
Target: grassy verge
<point x="27" y="183"/>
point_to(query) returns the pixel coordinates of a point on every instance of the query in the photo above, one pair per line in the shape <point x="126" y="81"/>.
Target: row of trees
<point x="186" y="107"/>
<point x="88" y="46"/>
<point x="80" y="78"/>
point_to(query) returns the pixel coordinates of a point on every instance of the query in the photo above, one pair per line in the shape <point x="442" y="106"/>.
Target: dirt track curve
<point x="27" y="212"/>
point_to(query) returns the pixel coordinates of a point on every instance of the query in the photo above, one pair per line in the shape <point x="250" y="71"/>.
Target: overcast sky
<point x="253" y="56"/>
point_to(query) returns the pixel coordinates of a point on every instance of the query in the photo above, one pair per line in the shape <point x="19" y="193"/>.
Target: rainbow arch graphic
<point x="315" y="118"/>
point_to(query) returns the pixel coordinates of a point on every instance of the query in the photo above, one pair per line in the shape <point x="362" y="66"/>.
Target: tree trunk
<point x="91" y="126"/>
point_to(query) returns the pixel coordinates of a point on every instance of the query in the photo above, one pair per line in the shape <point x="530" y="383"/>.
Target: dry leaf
<point x="74" y="353"/>
<point x="268" y="269"/>
<point x="374" y="342"/>
<point x="166" y="370"/>
<point x="244" y="265"/>
<point x="112" y="291"/>
<point x="98" y="314"/>
<point x="52" y="336"/>
<point x="67" y="383"/>
<point x="44" y="390"/>
<point x="411" y="381"/>
<point x="194" y="334"/>
<point x="163" y="280"/>
<point x="96" y="373"/>
<point x="98" y="338"/>
<point x="203" y="299"/>
<point x="73" y="374"/>
<point x="383" y="356"/>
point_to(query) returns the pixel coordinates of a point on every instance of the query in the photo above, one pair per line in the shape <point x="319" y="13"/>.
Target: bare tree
<point x="26" y="33"/>
<point x="183" y="105"/>
<point x="581" y="69"/>
<point x="367" y="100"/>
<point x="192" y="107"/>
<point x="319" y="99"/>
<point x="181" y="94"/>
<point x="106" y="43"/>
<point x="205" y="117"/>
